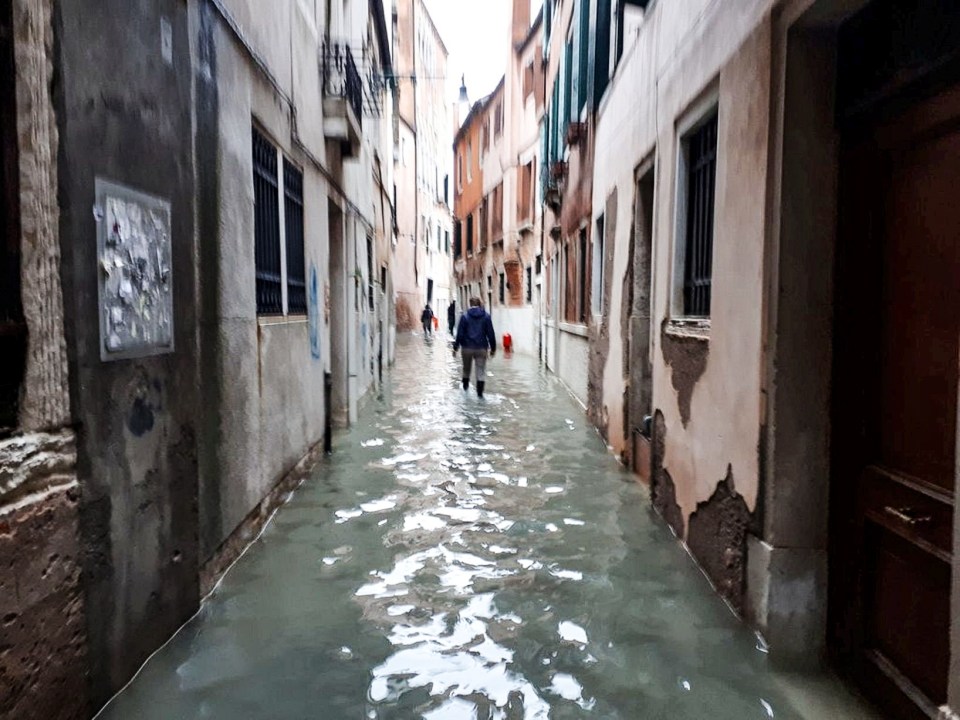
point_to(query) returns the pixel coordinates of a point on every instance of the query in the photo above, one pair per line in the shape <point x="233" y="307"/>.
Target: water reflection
<point x="465" y="558"/>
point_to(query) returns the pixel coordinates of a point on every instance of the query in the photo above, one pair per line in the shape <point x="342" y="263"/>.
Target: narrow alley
<point x="466" y="558"/>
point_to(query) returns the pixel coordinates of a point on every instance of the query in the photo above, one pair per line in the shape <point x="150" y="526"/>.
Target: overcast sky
<point x="476" y="33"/>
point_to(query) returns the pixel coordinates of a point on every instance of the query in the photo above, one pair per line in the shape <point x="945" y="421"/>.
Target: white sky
<point x="477" y="36"/>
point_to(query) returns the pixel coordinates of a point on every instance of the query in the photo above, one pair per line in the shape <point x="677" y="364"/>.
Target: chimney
<point x="521" y="20"/>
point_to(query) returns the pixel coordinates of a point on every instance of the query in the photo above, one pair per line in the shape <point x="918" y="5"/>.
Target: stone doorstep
<point x="247" y="532"/>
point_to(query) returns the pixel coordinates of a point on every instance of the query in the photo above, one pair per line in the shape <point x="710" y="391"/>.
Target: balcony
<point x="342" y="97"/>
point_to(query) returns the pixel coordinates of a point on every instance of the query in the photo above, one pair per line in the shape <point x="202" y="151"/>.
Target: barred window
<point x="701" y="168"/>
<point x="266" y="226"/>
<point x="293" y="222"/>
<point x="279" y="255"/>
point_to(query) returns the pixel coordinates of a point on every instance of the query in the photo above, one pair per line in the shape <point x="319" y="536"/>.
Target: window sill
<point x="271" y="320"/>
<point x="695" y="328"/>
<point x="575" y="328"/>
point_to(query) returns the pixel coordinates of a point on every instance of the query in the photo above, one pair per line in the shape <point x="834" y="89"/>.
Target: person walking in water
<point x="475" y="336"/>
<point x="426" y="319"/>
<point x="451" y="316"/>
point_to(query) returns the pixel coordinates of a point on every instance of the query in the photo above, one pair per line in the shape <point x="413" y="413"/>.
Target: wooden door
<point x="897" y="337"/>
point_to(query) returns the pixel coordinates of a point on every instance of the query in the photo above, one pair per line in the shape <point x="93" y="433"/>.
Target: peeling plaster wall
<point x="266" y="376"/>
<point x="707" y="390"/>
<point x="44" y="658"/>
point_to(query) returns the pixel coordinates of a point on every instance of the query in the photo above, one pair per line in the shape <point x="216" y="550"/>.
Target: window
<point x="483" y="226"/>
<point x="459" y="173"/>
<point x="293" y="224"/>
<point x="457" y="238"/>
<point x="697" y="180"/>
<point x="525" y="196"/>
<point x="266" y="227"/>
<point x="582" y="277"/>
<point x="446" y="241"/>
<point x="496" y="215"/>
<point x="597" y="268"/>
<point x="529" y="285"/>
<point x="503" y="284"/>
<point x="470" y="234"/>
<point x="439" y="239"/>
<point x="370" y="294"/>
<point x="584" y="35"/>
<point x="498" y="120"/>
<point x="528" y="76"/>
<point x="469" y="162"/>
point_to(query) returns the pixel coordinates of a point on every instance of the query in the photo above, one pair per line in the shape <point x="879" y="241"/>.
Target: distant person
<point x="475" y="337"/>
<point x="426" y="319"/>
<point x="451" y="316"/>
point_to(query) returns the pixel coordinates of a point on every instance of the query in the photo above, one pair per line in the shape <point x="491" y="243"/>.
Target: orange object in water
<point x="507" y="342"/>
<point x="436" y="323"/>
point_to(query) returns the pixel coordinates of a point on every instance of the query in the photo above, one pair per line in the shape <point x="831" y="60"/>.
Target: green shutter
<point x="584" y="53"/>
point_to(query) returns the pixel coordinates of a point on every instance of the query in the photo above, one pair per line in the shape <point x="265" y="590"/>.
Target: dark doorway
<point x="13" y="334"/>
<point x="897" y="341"/>
<point x="638" y="400"/>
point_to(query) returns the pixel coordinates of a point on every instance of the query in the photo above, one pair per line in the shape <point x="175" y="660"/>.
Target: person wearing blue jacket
<point x="475" y="336"/>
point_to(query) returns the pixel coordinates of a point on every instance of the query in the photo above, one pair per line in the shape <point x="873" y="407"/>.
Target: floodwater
<point x="459" y="558"/>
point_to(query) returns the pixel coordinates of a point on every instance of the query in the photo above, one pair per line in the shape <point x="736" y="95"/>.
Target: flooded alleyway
<point x="465" y="558"/>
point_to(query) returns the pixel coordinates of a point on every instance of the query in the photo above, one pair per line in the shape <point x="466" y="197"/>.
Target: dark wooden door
<point x="895" y="393"/>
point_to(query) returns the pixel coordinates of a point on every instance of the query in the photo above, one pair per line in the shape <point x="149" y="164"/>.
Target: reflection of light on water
<point x="567" y="687"/>
<point x="447" y="655"/>
<point x="571" y="632"/>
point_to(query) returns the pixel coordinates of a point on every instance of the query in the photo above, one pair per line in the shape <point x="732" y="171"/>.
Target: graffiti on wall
<point x="314" y="313"/>
<point x="135" y="272"/>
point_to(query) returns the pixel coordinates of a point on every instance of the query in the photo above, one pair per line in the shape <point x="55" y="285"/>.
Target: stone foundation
<point x="42" y="622"/>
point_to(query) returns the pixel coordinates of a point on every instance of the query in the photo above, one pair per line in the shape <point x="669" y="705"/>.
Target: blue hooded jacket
<point x="475" y="331"/>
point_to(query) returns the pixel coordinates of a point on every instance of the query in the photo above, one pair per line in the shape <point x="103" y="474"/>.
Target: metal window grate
<point x="266" y="226"/>
<point x="293" y="224"/>
<point x="701" y="185"/>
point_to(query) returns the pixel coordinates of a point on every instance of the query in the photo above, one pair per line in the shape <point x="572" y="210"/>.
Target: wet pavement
<point x="463" y="558"/>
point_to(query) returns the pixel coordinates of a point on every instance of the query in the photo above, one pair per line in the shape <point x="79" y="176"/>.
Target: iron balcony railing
<point x="341" y="77"/>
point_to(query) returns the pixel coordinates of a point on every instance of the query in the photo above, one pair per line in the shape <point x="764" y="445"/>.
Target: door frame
<point x="799" y="256"/>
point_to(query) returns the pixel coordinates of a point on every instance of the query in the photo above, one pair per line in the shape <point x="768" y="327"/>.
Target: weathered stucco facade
<point x="499" y="196"/>
<point x="423" y="169"/>
<point x="43" y="667"/>
<point x="741" y="401"/>
<point x="128" y="480"/>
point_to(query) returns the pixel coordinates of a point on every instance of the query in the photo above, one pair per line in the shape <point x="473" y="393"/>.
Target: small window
<point x="582" y="277"/>
<point x="697" y="180"/>
<point x="469" y="162"/>
<point x="370" y="287"/>
<point x="529" y="285"/>
<point x="528" y="80"/>
<point x="470" y="234"/>
<point x="503" y="284"/>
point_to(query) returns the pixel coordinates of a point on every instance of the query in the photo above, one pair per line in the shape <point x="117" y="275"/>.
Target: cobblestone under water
<point x="464" y="558"/>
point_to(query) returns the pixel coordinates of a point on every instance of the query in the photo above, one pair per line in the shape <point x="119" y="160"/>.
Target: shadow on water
<point x="459" y="557"/>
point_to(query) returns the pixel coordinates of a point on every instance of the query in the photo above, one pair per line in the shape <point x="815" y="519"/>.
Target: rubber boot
<point x="480" y="384"/>
<point x="466" y="383"/>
